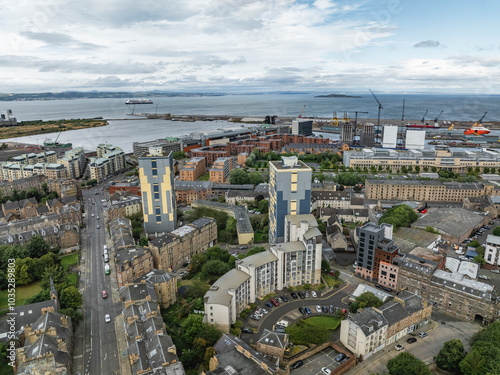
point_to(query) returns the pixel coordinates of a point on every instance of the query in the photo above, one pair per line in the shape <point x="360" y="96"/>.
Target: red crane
<point x="302" y="112"/>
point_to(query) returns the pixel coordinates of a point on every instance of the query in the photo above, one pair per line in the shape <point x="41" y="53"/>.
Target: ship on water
<point x="139" y="101"/>
<point x="478" y="128"/>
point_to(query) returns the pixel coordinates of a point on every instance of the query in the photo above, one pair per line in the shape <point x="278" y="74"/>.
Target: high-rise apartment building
<point x="303" y="127"/>
<point x="375" y="245"/>
<point x="289" y="193"/>
<point x="156" y="174"/>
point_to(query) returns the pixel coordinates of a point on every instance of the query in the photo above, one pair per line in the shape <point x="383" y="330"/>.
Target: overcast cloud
<point x="238" y="45"/>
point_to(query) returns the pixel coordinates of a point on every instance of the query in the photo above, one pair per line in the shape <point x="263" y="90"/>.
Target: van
<point x="107" y="270"/>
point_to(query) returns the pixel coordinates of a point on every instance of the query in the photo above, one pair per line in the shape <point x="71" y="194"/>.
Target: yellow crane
<point x="451" y="126"/>
<point x="335" y="119"/>
<point x="345" y="120"/>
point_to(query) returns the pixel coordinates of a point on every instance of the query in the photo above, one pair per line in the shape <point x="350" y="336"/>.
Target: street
<point x="101" y="351"/>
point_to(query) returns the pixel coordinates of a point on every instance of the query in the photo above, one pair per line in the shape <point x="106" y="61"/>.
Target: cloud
<point x="57" y="39"/>
<point x="427" y="44"/>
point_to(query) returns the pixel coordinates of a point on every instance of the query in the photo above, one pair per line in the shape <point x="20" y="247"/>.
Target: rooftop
<point x="257" y="260"/>
<point x="451" y="221"/>
<point x="218" y="292"/>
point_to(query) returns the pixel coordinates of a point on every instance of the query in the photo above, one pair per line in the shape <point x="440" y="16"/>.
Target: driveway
<point x="425" y="348"/>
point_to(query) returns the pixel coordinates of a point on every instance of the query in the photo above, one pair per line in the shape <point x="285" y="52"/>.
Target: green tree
<point x="143" y="241"/>
<point x="264" y="206"/>
<point x="490" y="334"/>
<point x="216" y="253"/>
<point x="483" y="359"/>
<point x="214" y="269"/>
<point x="37" y="246"/>
<point x="58" y="274"/>
<point x="406" y="364"/>
<point x="450" y="355"/>
<point x="401" y="215"/>
<point x="177" y="155"/>
<point x="496" y="231"/>
<point x="71" y="297"/>
<point x="24" y="271"/>
<point x="325" y="266"/>
<point x="197" y="262"/>
<point x="46" y="261"/>
<point x="238" y="177"/>
<point x="366" y="299"/>
<point x="255" y="178"/>
<point x="75" y="315"/>
<point x="196" y="289"/>
<point x="255" y="250"/>
<point x="33" y="193"/>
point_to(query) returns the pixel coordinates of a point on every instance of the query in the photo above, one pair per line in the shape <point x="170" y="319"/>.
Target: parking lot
<point x="314" y="364"/>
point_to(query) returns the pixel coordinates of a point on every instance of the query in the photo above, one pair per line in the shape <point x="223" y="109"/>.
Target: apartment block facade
<point x="176" y="248"/>
<point x="425" y="190"/>
<point x="453" y="159"/>
<point x="192" y="170"/>
<point x="110" y="159"/>
<point x="220" y="170"/>
<point x="289" y="193"/>
<point x="263" y="271"/>
<point x="131" y="263"/>
<point x="156" y="175"/>
<point x="492" y="250"/>
<point x="190" y="191"/>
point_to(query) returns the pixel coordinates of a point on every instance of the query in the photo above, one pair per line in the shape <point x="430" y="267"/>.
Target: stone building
<point x="131" y="263"/>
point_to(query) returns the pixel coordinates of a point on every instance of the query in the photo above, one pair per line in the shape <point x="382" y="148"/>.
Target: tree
<point x="58" y="274"/>
<point x="496" y="231"/>
<point x="75" y="315"/>
<point x="71" y="297"/>
<point x="450" y="355"/>
<point x="366" y="299"/>
<point x="256" y="250"/>
<point x="45" y="188"/>
<point x="177" y="155"/>
<point x="216" y="253"/>
<point x="407" y="364"/>
<point x="37" y="246"/>
<point x="483" y="359"/>
<point x="46" y="261"/>
<point x="213" y="269"/>
<point x="197" y="262"/>
<point x="24" y="271"/>
<point x="401" y="215"/>
<point x="238" y="177"/>
<point x="255" y="178"/>
<point x="33" y="193"/>
<point x="264" y="206"/>
<point x="143" y="241"/>
<point x="325" y="266"/>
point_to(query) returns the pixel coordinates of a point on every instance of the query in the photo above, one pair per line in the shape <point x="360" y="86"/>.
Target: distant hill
<point x="337" y="96"/>
<point x="96" y="95"/>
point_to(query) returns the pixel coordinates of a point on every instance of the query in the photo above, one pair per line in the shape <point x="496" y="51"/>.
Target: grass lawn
<point x="69" y="260"/>
<point x="205" y="177"/>
<point x="72" y="279"/>
<point x="22" y="293"/>
<point x="330" y="280"/>
<point x="314" y="330"/>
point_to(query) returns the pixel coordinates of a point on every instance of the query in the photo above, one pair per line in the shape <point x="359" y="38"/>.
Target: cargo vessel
<point x="139" y="101"/>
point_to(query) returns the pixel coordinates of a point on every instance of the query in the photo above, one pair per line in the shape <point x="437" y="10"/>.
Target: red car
<point x="274" y="302"/>
<point x="104" y="294"/>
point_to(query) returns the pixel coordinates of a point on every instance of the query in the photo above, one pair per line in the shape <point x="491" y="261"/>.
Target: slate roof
<point x="270" y="338"/>
<point x="28" y="314"/>
<point x="454" y="222"/>
<point x="137" y="292"/>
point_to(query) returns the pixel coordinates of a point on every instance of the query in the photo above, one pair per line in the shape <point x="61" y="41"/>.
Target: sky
<point x="390" y="46"/>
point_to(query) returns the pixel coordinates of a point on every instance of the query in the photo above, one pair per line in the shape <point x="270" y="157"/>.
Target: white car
<point x="399" y="347"/>
<point x="107" y="318"/>
<point x="423" y="334"/>
<point x="326" y="371"/>
<point x="318" y="308"/>
<point x="313" y="293"/>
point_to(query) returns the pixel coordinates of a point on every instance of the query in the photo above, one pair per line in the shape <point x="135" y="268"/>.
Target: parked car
<point x="278" y="299"/>
<point x="302" y="295"/>
<point x="411" y="340"/>
<point x="269" y="304"/>
<point x="297" y="364"/>
<point x="332" y="309"/>
<point x="307" y="310"/>
<point x="307" y="294"/>
<point x="263" y="311"/>
<point x="302" y="311"/>
<point x="274" y="302"/>
<point x="318" y="308"/>
<point x="255" y="317"/>
<point x="387" y="289"/>
<point x="326" y="371"/>
<point x="313" y="293"/>
<point x="284" y="298"/>
<point x="423" y="334"/>
<point x="340" y="357"/>
<point x="325" y="309"/>
<point x="399" y="347"/>
<point x="294" y="295"/>
<point x="247" y="330"/>
<point x="107" y="318"/>
<point x="495" y="271"/>
<point x="104" y="294"/>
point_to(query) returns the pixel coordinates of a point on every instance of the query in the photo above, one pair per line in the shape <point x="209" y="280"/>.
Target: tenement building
<point x="372" y="329"/>
<point x="192" y="170"/>
<point x="178" y="247"/>
<point x="156" y="174"/>
<point x="456" y="160"/>
<point x="289" y="193"/>
<point x="425" y="190"/>
<point x="132" y="262"/>
<point x="452" y="292"/>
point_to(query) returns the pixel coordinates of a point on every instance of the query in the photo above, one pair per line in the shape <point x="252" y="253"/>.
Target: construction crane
<point x="438" y="116"/>
<point x="356" y="123"/>
<point x="379" y="107"/>
<point x="423" y="118"/>
<point x="302" y="112"/>
<point x="481" y="119"/>
<point x="335" y="119"/>
<point x="345" y="120"/>
<point x="312" y="111"/>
